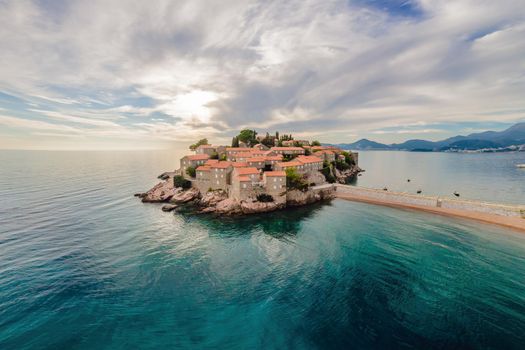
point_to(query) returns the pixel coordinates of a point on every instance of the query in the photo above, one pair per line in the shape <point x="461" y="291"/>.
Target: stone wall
<point x="433" y="201"/>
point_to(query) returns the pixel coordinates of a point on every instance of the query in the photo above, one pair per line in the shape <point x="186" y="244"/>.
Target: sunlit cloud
<point x="155" y="73"/>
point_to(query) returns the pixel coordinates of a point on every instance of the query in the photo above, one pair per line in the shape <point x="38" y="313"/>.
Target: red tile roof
<point x="276" y="158"/>
<point x="211" y="161"/>
<point x="203" y="168"/>
<point x="244" y="178"/>
<point x="256" y="159"/>
<point x="239" y="164"/>
<point x="243" y="155"/>
<point x="309" y="159"/>
<point x="289" y="164"/>
<point x="221" y="165"/>
<point x="287" y="149"/>
<point x="275" y="173"/>
<point x="197" y="157"/>
<point x="238" y="149"/>
<point x="247" y="171"/>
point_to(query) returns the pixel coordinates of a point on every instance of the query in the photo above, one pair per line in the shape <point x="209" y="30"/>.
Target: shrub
<point x="340" y="165"/>
<point x="179" y="181"/>
<point x="199" y="143"/>
<point x="264" y="198"/>
<point x="326" y="171"/>
<point x="223" y="157"/>
<point x="214" y="155"/>
<point x="191" y="171"/>
<point x="316" y="143"/>
<point x="288" y="157"/>
<point x="349" y="159"/>
<point x="295" y="181"/>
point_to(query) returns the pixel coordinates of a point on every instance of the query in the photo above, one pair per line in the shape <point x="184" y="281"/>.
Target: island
<point x="257" y="173"/>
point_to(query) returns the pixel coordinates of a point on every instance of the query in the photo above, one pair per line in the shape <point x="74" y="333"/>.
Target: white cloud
<point x="330" y="68"/>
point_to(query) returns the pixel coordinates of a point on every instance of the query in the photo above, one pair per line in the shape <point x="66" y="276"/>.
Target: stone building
<point x="288" y="150"/>
<point x="192" y="161"/>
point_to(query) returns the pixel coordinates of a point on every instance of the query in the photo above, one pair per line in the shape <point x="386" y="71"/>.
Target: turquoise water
<point x="480" y="176"/>
<point x="84" y="265"/>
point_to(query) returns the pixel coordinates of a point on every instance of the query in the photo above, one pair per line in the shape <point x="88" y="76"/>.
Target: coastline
<point x="511" y="222"/>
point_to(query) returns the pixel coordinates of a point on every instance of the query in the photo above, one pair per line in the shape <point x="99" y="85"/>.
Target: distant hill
<point x="513" y="136"/>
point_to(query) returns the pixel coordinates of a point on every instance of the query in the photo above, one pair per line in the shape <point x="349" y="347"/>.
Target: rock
<point x="140" y="194"/>
<point x="228" y="206"/>
<point x="344" y="176"/>
<point x="250" y="207"/>
<point x="297" y="198"/>
<point x="163" y="176"/>
<point x="169" y="207"/>
<point x="211" y="198"/>
<point x="161" y="192"/>
<point x="186" y="196"/>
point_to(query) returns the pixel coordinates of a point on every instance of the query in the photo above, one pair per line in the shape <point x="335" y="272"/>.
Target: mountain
<point x="513" y="136"/>
<point x="364" y="144"/>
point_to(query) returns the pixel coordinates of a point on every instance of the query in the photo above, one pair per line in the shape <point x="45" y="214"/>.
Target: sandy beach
<point x="515" y="223"/>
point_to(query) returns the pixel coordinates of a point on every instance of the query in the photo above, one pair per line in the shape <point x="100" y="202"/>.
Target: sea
<point x="85" y="265"/>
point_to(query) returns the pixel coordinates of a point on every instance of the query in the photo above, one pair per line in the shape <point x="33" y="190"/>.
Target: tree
<point x="307" y="152"/>
<point x="179" y="181"/>
<point x="316" y="143"/>
<point x="191" y="171"/>
<point x="214" y="155"/>
<point x="235" y="142"/>
<point x="247" y="136"/>
<point x="199" y="143"/>
<point x="223" y="157"/>
<point x="349" y="159"/>
<point x="295" y="181"/>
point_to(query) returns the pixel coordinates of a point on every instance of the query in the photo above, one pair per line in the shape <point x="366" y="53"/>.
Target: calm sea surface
<point x="84" y="265"/>
<point x="488" y="176"/>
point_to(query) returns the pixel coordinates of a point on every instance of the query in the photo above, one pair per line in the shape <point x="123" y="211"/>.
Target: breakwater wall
<point x="407" y="199"/>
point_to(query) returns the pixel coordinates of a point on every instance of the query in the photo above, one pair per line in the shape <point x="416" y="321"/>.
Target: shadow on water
<point x="280" y="224"/>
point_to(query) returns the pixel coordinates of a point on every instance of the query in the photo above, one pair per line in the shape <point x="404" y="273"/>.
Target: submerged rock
<point x="169" y="207"/>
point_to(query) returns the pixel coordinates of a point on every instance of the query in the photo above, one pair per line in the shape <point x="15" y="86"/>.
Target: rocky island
<point x="256" y="174"/>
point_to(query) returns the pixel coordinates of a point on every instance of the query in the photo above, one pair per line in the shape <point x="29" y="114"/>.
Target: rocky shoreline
<point x="217" y="202"/>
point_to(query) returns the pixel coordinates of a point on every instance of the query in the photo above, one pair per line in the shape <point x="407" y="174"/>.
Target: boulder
<point x="228" y="206"/>
<point x="211" y="198"/>
<point x="185" y="196"/>
<point x="169" y="207"/>
<point x="161" y="192"/>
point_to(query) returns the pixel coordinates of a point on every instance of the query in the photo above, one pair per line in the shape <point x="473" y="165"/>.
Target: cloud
<point x="336" y="69"/>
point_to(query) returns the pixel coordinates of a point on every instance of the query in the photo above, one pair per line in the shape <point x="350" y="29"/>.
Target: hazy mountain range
<point x="513" y="136"/>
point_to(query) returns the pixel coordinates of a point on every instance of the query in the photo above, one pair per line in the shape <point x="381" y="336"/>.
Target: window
<point x="243" y="185"/>
<point x="217" y="182"/>
<point x="274" y="179"/>
<point x="274" y="187"/>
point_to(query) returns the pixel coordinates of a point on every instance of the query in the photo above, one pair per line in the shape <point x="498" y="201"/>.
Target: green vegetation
<point x="191" y="171"/>
<point x="235" y="142"/>
<point x="214" y="155"/>
<point x="342" y="165"/>
<point x="327" y="172"/>
<point x="200" y="142"/>
<point x="307" y="152"/>
<point x="248" y="137"/>
<point x="295" y="181"/>
<point x="349" y="159"/>
<point x="316" y="143"/>
<point x="264" y="198"/>
<point x="268" y="141"/>
<point x="223" y="157"/>
<point x="179" y="181"/>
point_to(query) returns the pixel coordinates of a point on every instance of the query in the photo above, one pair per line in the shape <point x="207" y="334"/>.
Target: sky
<point x="100" y="74"/>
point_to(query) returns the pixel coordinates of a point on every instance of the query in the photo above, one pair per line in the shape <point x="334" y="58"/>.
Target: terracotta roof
<point x="211" y="161"/>
<point x="203" y="168"/>
<point x="287" y="149"/>
<point x="256" y="159"/>
<point x="197" y="157"/>
<point x="238" y="149"/>
<point x="275" y="173"/>
<point x="309" y="159"/>
<point x="289" y="164"/>
<point x="247" y="171"/>
<point x="239" y="164"/>
<point x="244" y="178"/>
<point x="277" y="158"/>
<point x="221" y="165"/>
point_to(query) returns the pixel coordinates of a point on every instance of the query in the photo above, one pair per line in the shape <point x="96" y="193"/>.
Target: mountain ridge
<point x="510" y="137"/>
